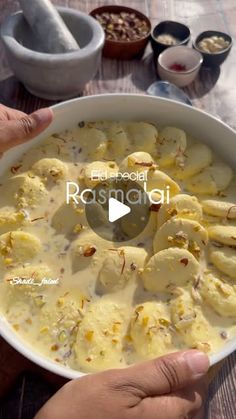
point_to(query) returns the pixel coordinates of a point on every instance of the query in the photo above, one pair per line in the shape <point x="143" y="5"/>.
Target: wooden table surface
<point x="23" y="386"/>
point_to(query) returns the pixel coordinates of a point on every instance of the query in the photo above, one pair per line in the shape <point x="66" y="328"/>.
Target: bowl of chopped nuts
<point x="127" y="31"/>
<point x="215" y="47"/>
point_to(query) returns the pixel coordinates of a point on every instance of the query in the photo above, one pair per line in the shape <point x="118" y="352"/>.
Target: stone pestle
<point x="48" y="26"/>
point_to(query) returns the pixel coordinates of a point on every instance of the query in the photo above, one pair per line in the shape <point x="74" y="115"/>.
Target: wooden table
<point x="213" y="91"/>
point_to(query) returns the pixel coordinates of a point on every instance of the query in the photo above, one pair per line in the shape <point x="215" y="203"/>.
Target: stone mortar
<point x="54" y="76"/>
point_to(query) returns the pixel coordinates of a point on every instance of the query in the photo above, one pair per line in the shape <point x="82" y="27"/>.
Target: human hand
<point x="17" y="127"/>
<point x="171" y="387"/>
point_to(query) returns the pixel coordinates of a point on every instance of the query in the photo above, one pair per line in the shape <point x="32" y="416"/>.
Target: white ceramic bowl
<point x="188" y="57"/>
<point x="124" y="107"/>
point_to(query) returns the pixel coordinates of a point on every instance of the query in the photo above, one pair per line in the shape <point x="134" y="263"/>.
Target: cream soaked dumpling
<point x="153" y="179"/>
<point x="151" y="331"/>
<point x="93" y="142"/>
<point x="224" y="258"/>
<point x="118" y="142"/>
<point x="56" y="145"/>
<point x="224" y="205"/>
<point x="69" y="218"/>
<point x="182" y="206"/>
<point x="218" y="208"/>
<point x="59" y="321"/>
<point x="191" y="324"/>
<point x="18" y="246"/>
<point x="26" y="190"/>
<point x="170" y="268"/>
<point x="131" y="225"/>
<point x="211" y="180"/>
<point x="183" y="233"/>
<point x="142" y="136"/>
<point x="98" y="171"/>
<point x="120" y="266"/>
<point x="88" y="251"/>
<point x="160" y="181"/>
<point x="11" y="219"/>
<point x="99" y="344"/>
<point x="223" y="234"/>
<point x="193" y="161"/>
<point x="221" y="296"/>
<point x="139" y="161"/>
<point x="50" y="169"/>
<point x="171" y="143"/>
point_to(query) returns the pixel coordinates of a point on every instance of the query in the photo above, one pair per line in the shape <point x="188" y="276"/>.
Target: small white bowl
<point x="188" y="57"/>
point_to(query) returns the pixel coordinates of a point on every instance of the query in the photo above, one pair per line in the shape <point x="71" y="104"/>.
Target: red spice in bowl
<point x="180" y="68"/>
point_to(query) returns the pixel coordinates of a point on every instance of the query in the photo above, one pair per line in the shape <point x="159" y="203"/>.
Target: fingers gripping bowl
<point x="205" y="129"/>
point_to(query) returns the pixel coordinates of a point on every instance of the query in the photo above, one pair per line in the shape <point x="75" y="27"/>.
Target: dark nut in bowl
<point x="127" y="31"/>
<point x="167" y="34"/>
<point x="215" y="47"/>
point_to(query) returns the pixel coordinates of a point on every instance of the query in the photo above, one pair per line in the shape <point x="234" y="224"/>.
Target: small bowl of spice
<point x="179" y="65"/>
<point x="127" y="31"/>
<point x="168" y="34"/>
<point x="215" y="47"/>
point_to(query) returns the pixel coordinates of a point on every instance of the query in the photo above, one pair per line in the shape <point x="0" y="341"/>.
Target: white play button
<point x="119" y="217"/>
<point x="117" y="210"/>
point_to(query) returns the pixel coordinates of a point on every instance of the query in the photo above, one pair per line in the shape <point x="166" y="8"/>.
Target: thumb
<point x="167" y="374"/>
<point x="17" y="131"/>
